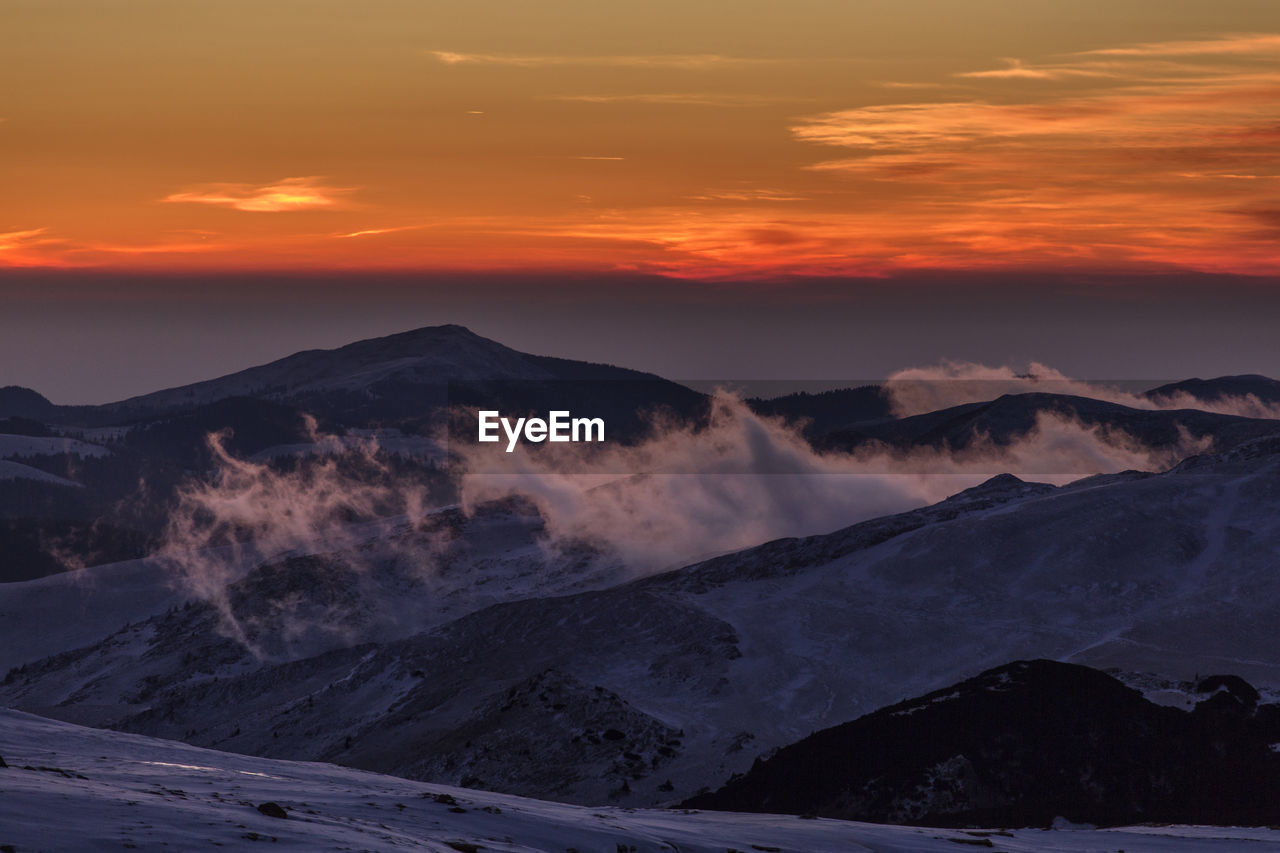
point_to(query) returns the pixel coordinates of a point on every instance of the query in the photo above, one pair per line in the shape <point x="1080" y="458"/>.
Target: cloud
<point x="344" y="502"/>
<point x="676" y="99"/>
<point x="896" y="167"/>
<point x="681" y="494"/>
<point x="288" y="194"/>
<point x="40" y="247"/>
<point x="13" y="241"/>
<point x="915" y="84"/>
<point x="1183" y="117"/>
<point x="689" y="493"/>
<point x="376" y="232"/>
<point x="750" y="195"/>
<point x="1016" y="70"/>
<point x="1229" y="45"/>
<point x="686" y="61"/>
<point x="1135" y="156"/>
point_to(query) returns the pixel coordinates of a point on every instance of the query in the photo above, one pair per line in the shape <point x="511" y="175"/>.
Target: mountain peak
<point x="17" y="401"/>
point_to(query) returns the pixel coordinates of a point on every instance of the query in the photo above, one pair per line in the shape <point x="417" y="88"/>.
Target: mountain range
<point x="474" y="646"/>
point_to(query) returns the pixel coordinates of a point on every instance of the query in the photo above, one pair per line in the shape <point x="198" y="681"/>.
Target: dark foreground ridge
<point x="1025" y="743"/>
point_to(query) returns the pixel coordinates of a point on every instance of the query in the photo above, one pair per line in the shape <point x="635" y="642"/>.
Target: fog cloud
<point x="745" y="479"/>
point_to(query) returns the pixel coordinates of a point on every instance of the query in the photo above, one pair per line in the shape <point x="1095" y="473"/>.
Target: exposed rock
<point x="273" y="810"/>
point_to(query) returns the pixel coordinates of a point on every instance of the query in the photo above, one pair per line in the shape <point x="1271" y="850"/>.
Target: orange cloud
<point x="1129" y="158"/>
<point x="377" y="232"/>
<point x="1256" y="43"/>
<point x="11" y="240"/>
<point x="1135" y="163"/>
<point x="691" y="99"/>
<point x="749" y="195"/>
<point x="38" y="247"/>
<point x="289" y="194"/>
<point x="1016" y="70"/>
<point x="689" y="61"/>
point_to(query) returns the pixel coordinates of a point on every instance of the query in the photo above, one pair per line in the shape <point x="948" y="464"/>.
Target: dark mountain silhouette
<point x="1025" y="743"/>
<point x="829" y="410"/>
<point x="405" y="380"/>
<point x="16" y="401"/>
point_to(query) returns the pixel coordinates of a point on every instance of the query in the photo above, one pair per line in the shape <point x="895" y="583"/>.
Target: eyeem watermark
<point x="558" y="426"/>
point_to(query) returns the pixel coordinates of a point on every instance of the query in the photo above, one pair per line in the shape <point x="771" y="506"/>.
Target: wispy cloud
<point x="658" y="60"/>
<point x="41" y="247"/>
<point x="10" y="240"/>
<point x="1135" y="154"/>
<point x="23" y="248"/>
<point x="377" y="232"/>
<point x="1015" y="69"/>
<point x="692" y="99"/>
<point x="1228" y="45"/>
<point x="289" y="194"/>
<point x="749" y="195"/>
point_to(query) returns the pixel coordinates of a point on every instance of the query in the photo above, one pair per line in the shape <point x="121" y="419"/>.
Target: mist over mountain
<point x="130" y="458"/>
<point x="290" y="562"/>
<point x="643" y="692"/>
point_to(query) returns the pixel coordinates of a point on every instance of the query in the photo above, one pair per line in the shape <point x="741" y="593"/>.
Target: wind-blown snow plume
<point x="746" y="479"/>
<point x="918" y="390"/>
<point x="343" y="501"/>
<point x="684" y="493"/>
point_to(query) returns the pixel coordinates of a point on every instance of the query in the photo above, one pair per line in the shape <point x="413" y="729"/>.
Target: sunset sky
<point x="693" y="138"/>
<point x="696" y="140"/>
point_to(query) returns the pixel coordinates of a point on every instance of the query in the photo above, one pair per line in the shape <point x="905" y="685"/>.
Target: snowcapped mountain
<point x="73" y="789"/>
<point x="484" y="647"/>
<point x="645" y="692"/>
<point x="131" y="457"/>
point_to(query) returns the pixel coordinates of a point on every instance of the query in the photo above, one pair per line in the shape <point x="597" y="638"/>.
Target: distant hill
<point x="405" y="380"/>
<point x="1267" y="390"/>
<point x="829" y="410"/>
<point x="1013" y="415"/>
<point x="16" y="401"/>
<point x="1023" y="744"/>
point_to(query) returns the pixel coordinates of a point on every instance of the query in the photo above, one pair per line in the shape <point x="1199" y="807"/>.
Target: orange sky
<point x="694" y="138"/>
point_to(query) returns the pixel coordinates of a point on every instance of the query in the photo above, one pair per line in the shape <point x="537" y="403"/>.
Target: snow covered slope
<point x="403" y="579"/>
<point x="73" y="789"/>
<point x="644" y="692"/>
<point x="14" y="446"/>
<point x="18" y="471"/>
<point x="67" y="611"/>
